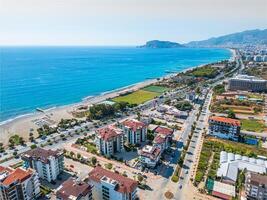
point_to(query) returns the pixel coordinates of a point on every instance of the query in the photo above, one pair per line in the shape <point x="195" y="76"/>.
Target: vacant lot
<point x="137" y="97"/>
<point x="252" y="125"/>
<point x="155" y="88"/>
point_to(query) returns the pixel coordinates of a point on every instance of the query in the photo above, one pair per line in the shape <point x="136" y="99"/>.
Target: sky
<point x="124" y="22"/>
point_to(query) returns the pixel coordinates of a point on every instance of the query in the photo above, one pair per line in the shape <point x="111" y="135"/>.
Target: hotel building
<point x="109" y="185"/>
<point x="135" y="131"/>
<point x="109" y="140"/>
<point x="48" y="163"/>
<point x="248" y="83"/>
<point x="18" y="184"/>
<point x="73" y="189"/>
<point x="225" y="128"/>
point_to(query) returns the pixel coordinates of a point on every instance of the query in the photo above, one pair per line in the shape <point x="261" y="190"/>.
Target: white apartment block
<point x="223" y="127"/>
<point x="48" y="163"/>
<point x="109" y="185"/>
<point x="135" y="131"/>
<point x="109" y="140"/>
<point x="149" y="156"/>
<point x="19" y="184"/>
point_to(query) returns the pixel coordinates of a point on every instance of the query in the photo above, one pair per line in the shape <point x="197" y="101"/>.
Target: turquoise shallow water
<point x="45" y="77"/>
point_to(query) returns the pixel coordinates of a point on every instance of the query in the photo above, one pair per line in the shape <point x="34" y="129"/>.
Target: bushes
<point x="175" y="179"/>
<point x="184" y="106"/>
<point x="219" y="89"/>
<point x="109" y="166"/>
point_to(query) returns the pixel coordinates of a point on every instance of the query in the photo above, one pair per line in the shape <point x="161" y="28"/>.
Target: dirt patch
<point x="169" y="195"/>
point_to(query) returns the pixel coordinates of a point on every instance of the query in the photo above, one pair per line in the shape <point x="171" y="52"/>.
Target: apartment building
<point x="19" y="184"/>
<point x="163" y="137"/>
<point x="134" y="131"/>
<point x="109" y="185"/>
<point x="149" y="156"/>
<point x="248" y="83"/>
<point x="48" y="163"/>
<point x="74" y="189"/>
<point x="225" y="128"/>
<point x="256" y="186"/>
<point x="109" y="140"/>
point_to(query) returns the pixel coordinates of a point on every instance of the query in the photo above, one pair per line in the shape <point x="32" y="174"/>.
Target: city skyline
<point x="105" y="22"/>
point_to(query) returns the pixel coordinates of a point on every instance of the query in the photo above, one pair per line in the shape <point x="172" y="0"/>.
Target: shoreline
<point x="22" y="124"/>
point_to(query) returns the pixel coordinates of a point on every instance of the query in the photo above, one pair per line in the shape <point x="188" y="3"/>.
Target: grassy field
<point x="155" y="88"/>
<point x="252" y="125"/>
<point x="137" y="97"/>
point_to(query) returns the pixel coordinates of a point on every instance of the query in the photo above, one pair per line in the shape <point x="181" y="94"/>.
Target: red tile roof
<point x="221" y="195"/>
<point x="72" y="187"/>
<point x="17" y="175"/>
<point x="109" y="132"/>
<point x="125" y="185"/>
<point x="41" y="154"/>
<point x="133" y="124"/>
<point x="164" y="130"/>
<point x="159" y="139"/>
<point x="233" y="122"/>
<point x="2" y="169"/>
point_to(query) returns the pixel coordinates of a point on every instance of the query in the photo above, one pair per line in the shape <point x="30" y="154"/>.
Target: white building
<point x="149" y="156"/>
<point x="73" y="189"/>
<point x="230" y="164"/>
<point x="48" y="163"/>
<point x="109" y="140"/>
<point x="223" y="127"/>
<point x="257" y="58"/>
<point x="248" y="83"/>
<point x="109" y="185"/>
<point x="163" y="137"/>
<point x="134" y="131"/>
<point x="19" y="184"/>
<point x="223" y="190"/>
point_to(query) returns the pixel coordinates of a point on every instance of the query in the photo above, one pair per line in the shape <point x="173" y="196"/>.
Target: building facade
<point x="149" y="156"/>
<point x="163" y="137"/>
<point x="48" y="163"/>
<point x="109" y="185"/>
<point x="248" y="83"/>
<point x="109" y="140"/>
<point x="73" y="189"/>
<point x="19" y="184"/>
<point x="135" y="132"/>
<point x="225" y="128"/>
<point x="256" y="186"/>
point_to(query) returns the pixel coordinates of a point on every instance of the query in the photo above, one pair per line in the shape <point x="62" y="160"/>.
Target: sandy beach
<point x="22" y="125"/>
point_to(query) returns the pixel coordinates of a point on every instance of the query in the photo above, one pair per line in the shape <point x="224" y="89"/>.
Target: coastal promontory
<point x="161" y="44"/>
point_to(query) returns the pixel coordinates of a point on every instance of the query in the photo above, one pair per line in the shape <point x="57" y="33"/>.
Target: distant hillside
<point x="161" y="44"/>
<point x="251" y="37"/>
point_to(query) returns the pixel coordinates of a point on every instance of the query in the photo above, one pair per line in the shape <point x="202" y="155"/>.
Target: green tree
<point x="2" y="149"/>
<point x="94" y="160"/>
<point x="231" y="114"/>
<point x="72" y="154"/>
<point x="140" y="178"/>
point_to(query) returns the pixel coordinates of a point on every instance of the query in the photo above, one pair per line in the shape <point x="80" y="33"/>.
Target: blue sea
<point x="46" y="77"/>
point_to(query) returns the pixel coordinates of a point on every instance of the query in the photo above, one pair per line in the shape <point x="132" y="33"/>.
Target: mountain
<point x="250" y="37"/>
<point x="161" y="44"/>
